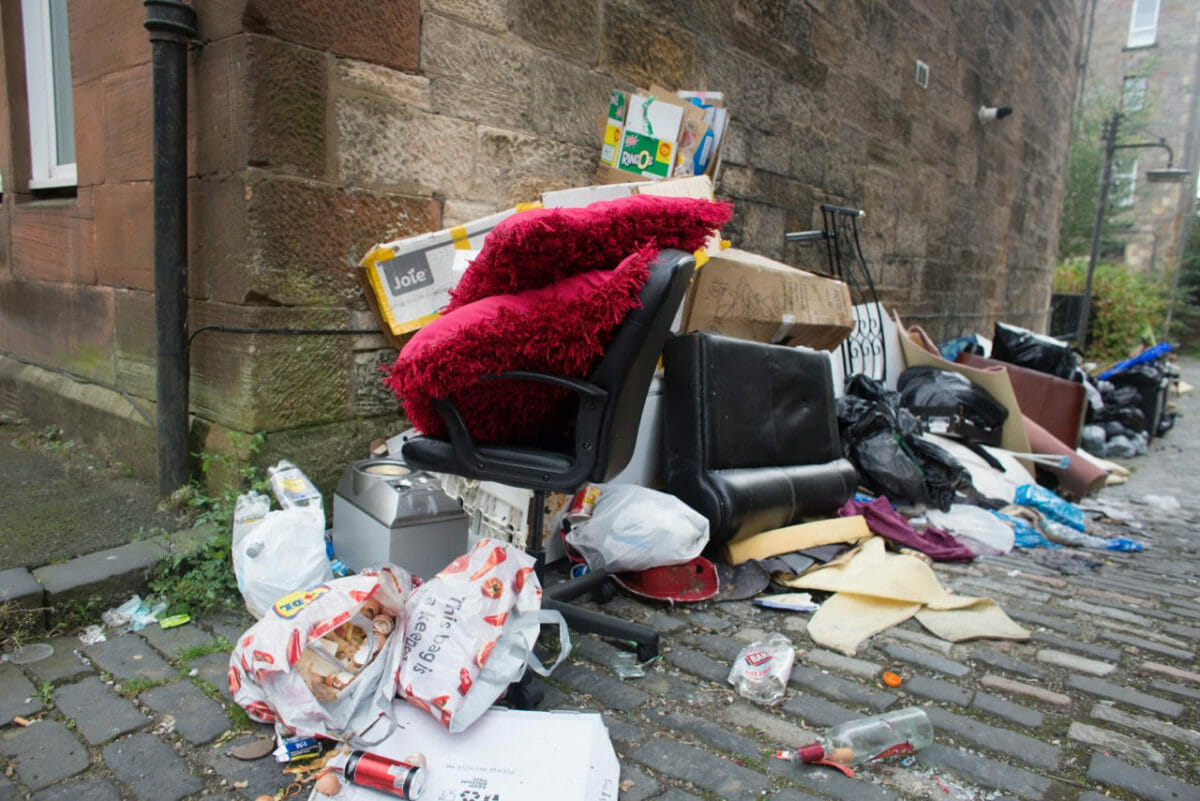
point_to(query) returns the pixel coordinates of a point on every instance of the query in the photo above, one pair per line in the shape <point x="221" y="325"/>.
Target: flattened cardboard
<point x="744" y="295"/>
<point x="562" y="756"/>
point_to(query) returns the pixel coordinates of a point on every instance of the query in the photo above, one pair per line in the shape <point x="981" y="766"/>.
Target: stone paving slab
<point x="840" y="689"/>
<point x="703" y="769"/>
<point x="44" y="753"/>
<point x="997" y="705"/>
<point x="151" y="767"/>
<point x="62" y="665"/>
<point x="1115" y="742"/>
<point x="83" y="790"/>
<point x="129" y="657"/>
<point x="987" y="772"/>
<point x="926" y="660"/>
<point x="99" y="713"/>
<point x="1003" y="661"/>
<point x="18" y="696"/>
<point x="173" y="642"/>
<point x="214" y="669"/>
<point x="262" y="776"/>
<point x="1145" y="783"/>
<point x="1126" y="695"/>
<point x="198" y="719"/>
<point x="1026" y="749"/>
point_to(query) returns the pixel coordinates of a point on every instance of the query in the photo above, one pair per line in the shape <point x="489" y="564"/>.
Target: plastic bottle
<point x="901" y="731"/>
<point x="762" y="669"/>
<point x="292" y="488"/>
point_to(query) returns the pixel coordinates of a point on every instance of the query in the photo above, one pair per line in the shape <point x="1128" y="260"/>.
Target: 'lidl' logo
<point x="291" y="604"/>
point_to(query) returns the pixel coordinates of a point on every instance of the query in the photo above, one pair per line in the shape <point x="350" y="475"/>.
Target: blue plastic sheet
<point x="1148" y="355"/>
<point x="1025" y="535"/>
<point x="1050" y="505"/>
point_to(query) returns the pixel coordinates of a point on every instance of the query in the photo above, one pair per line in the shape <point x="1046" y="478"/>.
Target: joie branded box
<point x="409" y="280"/>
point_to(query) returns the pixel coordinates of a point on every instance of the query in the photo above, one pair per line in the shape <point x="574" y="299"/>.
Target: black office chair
<point x="611" y="400"/>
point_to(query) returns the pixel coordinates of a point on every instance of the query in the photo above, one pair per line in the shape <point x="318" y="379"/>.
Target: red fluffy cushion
<point x="561" y="328"/>
<point x="536" y="248"/>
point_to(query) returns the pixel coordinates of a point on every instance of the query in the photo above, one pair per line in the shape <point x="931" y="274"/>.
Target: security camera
<point x="989" y="113"/>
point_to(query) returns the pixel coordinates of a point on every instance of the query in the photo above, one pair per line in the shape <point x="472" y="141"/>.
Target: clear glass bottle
<point x="901" y="731"/>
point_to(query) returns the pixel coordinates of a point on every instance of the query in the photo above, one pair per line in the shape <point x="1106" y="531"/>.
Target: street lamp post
<point x="1170" y="174"/>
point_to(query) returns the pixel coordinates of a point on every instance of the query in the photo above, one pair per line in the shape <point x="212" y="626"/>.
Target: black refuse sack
<point x="930" y="392"/>
<point x="1035" y="351"/>
<point x="882" y="440"/>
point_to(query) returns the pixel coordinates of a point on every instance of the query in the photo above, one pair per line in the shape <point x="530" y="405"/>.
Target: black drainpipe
<point x="171" y="24"/>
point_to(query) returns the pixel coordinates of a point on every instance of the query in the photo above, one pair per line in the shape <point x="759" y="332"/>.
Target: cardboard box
<point x="508" y="755"/>
<point x="614" y="124"/>
<point x="699" y="186"/>
<point x="745" y="295"/>
<point x="409" y="280"/>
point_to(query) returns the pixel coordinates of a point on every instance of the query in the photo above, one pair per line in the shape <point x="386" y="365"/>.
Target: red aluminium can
<point x="390" y="776"/>
<point x="583" y="504"/>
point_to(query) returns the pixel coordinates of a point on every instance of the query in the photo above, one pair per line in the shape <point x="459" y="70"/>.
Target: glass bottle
<point x="901" y="731"/>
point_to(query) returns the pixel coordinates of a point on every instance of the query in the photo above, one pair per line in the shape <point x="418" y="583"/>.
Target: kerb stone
<point x="109" y="573"/>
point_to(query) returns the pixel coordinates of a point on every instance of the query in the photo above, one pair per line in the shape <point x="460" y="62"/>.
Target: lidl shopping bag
<point x="325" y="660"/>
<point x="470" y="633"/>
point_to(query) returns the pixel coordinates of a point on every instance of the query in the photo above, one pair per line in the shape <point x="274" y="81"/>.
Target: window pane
<point x="60" y="54"/>
<point x="1135" y="94"/>
<point x="1145" y="14"/>
<point x="1143" y="24"/>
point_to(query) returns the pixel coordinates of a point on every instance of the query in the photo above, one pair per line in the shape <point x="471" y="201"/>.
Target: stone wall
<point x="318" y="129"/>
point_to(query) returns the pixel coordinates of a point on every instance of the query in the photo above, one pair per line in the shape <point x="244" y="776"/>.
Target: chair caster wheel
<point x="524" y="695"/>
<point x="605" y="592"/>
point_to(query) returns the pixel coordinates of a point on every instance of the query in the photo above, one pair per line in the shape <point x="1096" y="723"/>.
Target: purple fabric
<point x="885" y="521"/>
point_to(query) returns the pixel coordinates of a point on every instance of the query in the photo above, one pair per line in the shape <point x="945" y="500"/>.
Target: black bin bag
<point x="1035" y="351"/>
<point x="932" y="393"/>
<point x="882" y="440"/>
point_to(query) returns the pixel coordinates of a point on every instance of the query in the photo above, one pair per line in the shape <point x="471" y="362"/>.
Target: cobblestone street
<point x="1100" y="703"/>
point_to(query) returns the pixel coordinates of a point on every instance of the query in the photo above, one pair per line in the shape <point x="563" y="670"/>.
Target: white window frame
<point x="46" y="171"/>
<point x="1133" y="94"/>
<point x="1146" y="35"/>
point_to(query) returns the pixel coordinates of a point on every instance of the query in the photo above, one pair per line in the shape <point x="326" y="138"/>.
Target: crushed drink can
<point x="391" y="776"/>
<point x="583" y="504"/>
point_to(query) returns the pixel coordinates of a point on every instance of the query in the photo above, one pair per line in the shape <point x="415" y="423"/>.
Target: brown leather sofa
<point x="1054" y="403"/>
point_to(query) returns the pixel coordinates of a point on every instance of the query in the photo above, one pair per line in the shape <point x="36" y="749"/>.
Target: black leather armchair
<point x="611" y="400"/>
<point x="751" y="434"/>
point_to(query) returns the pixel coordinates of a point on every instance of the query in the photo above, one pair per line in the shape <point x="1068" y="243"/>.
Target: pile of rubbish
<point x="393" y="650"/>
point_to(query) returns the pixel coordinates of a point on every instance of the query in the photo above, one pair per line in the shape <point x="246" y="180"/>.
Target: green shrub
<point x="1127" y="308"/>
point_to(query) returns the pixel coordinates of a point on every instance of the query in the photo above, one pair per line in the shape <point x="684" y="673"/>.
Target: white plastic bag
<point x="249" y="510"/>
<point x="325" y="659"/>
<point x="636" y="528"/>
<point x="283" y="553"/>
<point x="976" y="524"/>
<point x="470" y="631"/>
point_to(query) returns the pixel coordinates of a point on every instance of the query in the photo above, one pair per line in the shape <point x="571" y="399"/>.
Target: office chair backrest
<point x="631" y="359"/>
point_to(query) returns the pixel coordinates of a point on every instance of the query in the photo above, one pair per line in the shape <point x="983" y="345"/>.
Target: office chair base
<point x="644" y="637"/>
<point x="527" y="693"/>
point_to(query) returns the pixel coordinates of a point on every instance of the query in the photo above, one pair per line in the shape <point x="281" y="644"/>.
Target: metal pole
<point x="1110" y="147"/>
<point x="171" y="24"/>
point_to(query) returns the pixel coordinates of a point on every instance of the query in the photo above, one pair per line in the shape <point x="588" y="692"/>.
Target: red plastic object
<point x="687" y="583"/>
